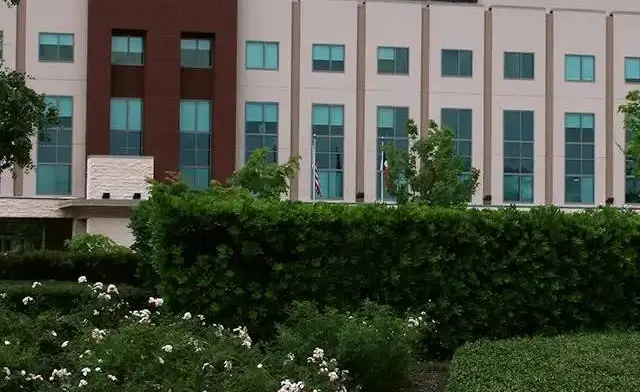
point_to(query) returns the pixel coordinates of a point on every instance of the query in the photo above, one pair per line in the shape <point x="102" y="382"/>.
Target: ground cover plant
<point x="587" y="362"/>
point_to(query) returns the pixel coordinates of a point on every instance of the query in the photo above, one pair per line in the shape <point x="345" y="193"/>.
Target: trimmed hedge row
<point x="584" y="362"/>
<point x="489" y="273"/>
<point x="117" y="267"/>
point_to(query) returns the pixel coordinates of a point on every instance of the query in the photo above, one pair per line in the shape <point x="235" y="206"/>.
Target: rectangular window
<point x="518" y="65"/>
<point x="579" y="68"/>
<point x="195" y="53"/>
<point x="459" y="122"/>
<point x="56" y="47"/>
<point x="1" y="45"/>
<point x="328" y="58"/>
<point x="632" y="69"/>
<point x="126" y="126"/>
<point x="127" y="50"/>
<point x="53" y="170"/>
<point x="393" y="61"/>
<point x="457" y="63"/>
<point x="328" y="128"/>
<point x="262" y="55"/>
<point x="195" y="142"/>
<point x="261" y="128"/>
<point x="632" y="184"/>
<point x="579" y="157"/>
<point x="392" y="129"/>
<point x="518" y="156"/>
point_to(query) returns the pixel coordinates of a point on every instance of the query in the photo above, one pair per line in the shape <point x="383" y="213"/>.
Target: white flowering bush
<point x="106" y="345"/>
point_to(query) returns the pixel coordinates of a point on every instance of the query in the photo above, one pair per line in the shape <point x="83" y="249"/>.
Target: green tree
<point x="631" y="111"/>
<point x="265" y="180"/>
<point x="429" y="172"/>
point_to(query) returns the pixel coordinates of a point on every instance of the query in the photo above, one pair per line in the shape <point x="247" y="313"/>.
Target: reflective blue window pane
<point x="271" y="56"/>
<point x="255" y="55"/>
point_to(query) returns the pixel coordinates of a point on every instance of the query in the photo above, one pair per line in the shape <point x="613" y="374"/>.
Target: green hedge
<point x="62" y="296"/>
<point x="493" y="274"/>
<point x="116" y="267"/>
<point x="584" y="362"/>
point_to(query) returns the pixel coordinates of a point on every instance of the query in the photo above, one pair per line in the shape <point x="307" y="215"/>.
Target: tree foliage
<point x="430" y="172"/>
<point x="631" y="111"/>
<point x="265" y="180"/>
<point x="24" y="114"/>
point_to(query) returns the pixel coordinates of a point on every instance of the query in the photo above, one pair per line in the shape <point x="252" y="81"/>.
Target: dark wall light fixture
<point x="106" y="195"/>
<point x="486" y="200"/>
<point x="609" y="201"/>
<point x="136" y="196"/>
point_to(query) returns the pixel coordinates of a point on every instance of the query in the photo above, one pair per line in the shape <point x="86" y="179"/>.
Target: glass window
<point x="632" y="69"/>
<point x="457" y="63"/>
<point x="579" y="158"/>
<point x="1" y="45"/>
<point x="195" y="142"/>
<point x="55" y="47"/>
<point x="632" y="184"/>
<point x="392" y="129"/>
<point x="393" y="61"/>
<point x="328" y="137"/>
<point x="261" y="128"/>
<point x="579" y="68"/>
<point x="126" y="126"/>
<point x="54" y="155"/>
<point x="459" y="122"/>
<point x="328" y="58"/>
<point x="262" y="55"/>
<point x="518" y="65"/>
<point x="195" y="53"/>
<point x="127" y="50"/>
<point x="518" y="156"/>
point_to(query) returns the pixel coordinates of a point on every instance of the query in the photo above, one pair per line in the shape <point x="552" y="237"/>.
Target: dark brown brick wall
<point x="161" y="82"/>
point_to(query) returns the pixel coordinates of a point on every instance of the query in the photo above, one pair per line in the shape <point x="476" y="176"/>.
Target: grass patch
<point x="582" y="362"/>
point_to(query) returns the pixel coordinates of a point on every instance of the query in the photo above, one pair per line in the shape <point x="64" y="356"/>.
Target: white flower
<point x="187" y="316"/>
<point x="26" y="300"/>
<point x="82" y="383"/>
<point x="95" y="312"/>
<point x="317" y="356"/>
<point x="161" y="360"/>
<point x="54" y="334"/>
<point x="112" y="289"/>
<point x="112" y="377"/>
<point x="291" y="357"/>
<point x="206" y="365"/>
<point x="85" y="371"/>
<point x="333" y="376"/>
<point x="104" y="296"/>
<point x="98" y="334"/>
<point x="242" y="334"/>
<point x="22" y="372"/>
<point x="60" y="373"/>
<point x="6" y="371"/>
<point x="413" y="322"/>
<point x="157" y="302"/>
<point x="35" y="284"/>
<point x="259" y="366"/>
<point x="3" y="295"/>
<point x="228" y="365"/>
<point x="6" y="342"/>
<point x="97" y="286"/>
<point x="167" y="348"/>
<point x="64" y="344"/>
<point x="97" y="369"/>
<point x="82" y="279"/>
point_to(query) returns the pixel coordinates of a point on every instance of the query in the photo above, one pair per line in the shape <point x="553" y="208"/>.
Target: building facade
<point x="530" y="89"/>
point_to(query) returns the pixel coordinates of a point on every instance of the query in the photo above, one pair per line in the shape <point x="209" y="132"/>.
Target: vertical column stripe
<point x="610" y="110"/>
<point x="487" y="104"/>
<point x="21" y="34"/>
<point x="548" y="166"/>
<point x="295" y="92"/>
<point x="361" y="64"/>
<point x="424" y="74"/>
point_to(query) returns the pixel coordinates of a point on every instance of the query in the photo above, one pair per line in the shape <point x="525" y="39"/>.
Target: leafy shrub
<point x="497" y="273"/>
<point x="121" y="266"/>
<point x="103" y="345"/>
<point x="92" y="244"/>
<point x="376" y="346"/>
<point x="582" y="362"/>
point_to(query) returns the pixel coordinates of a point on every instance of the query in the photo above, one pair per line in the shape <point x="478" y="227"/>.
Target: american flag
<point x="316" y="175"/>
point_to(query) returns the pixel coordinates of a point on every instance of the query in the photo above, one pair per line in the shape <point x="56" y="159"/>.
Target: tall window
<point x="127" y="50"/>
<point x="518" y="156"/>
<point x="195" y="53"/>
<point x="459" y="122"/>
<point x="262" y="55"/>
<point x="632" y="69"/>
<point x="53" y="170"/>
<point x="579" y="157"/>
<point x="457" y="63"/>
<point x="579" y="68"/>
<point x="393" y="61"/>
<point x="56" y="47"/>
<point x="632" y="184"/>
<point x="1" y="45"/>
<point x="392" y="130"/>
<point x="328" y="57"/>
<point x="195" y="142"/>
<point x="328" y="127"/>
<point x="126" y="126"/>
<point x="261" y="128"/>
<point x="518" y="65"/>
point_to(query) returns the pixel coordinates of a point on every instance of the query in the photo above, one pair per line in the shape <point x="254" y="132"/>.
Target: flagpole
<point x="382" y="172"/>
<point x="313" y="169"/>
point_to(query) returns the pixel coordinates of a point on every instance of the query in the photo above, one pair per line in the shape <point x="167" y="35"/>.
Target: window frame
<point x="197" y="42"/>
<point x="330" y="137"/>
<point x="457" y="140"/>
<point x="521" y="141"/>
<point x="57" y="45"/>
<point x="458" y="52"/>
<point x="129" y="53"/>
<point x="399" y="136"/>
<point x="57" y="165"/>
<point x="273" y="156"/>
<point x="582" y="57"/>
<point x="187" y="171"/>
<point x="128" y="130"/>
<point x="521" y="57"/>
<point x="626" y="78"/>
<point x="264" y="51"/>
<point x="395" y="60"/>
<point x="582" y="144"/>
<point x="330" y="47"/>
